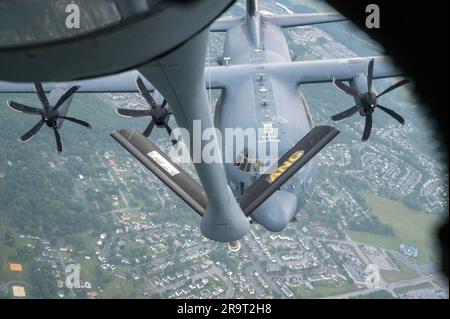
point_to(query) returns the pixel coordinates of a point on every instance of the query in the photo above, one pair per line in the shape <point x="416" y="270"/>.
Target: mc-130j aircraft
<point x="158" y="48"/>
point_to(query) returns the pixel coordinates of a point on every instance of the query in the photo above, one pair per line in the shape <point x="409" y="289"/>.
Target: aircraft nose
<point x="276" y="212"/>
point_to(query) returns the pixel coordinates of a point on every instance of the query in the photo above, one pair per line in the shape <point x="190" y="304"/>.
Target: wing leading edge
<point x="219" y="77"/>
<point x="304" y="72"/>
<point x="302" y="19"/>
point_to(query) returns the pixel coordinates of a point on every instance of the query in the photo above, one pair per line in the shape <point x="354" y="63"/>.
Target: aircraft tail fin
<point x="225" y="23"/>
<point x="297" y="157"/>
<point x="166" y="170"/>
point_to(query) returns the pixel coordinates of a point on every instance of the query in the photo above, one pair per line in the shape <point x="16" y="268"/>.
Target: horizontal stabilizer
<point x="165" y="169"/>
<point x="287" y="166"/>
<point x="225" y="23"/>
<point x="302" y="19"/>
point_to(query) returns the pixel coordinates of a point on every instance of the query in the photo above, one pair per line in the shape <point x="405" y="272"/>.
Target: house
<point x="15" y="267"/>
<point x="60" y="284"/>
<point x="92" y="294"/>
<point x="18" y="291"/>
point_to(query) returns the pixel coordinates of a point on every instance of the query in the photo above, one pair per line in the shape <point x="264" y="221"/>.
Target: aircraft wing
<point x="217" y="77"/>
<point x="120" y="83"/>
<point x="225" y="23"/>
<point x="341" y="69"/>
<point x="123" y="82"/>
<point x="304" y="72"/>
<point x="302" y="19"/>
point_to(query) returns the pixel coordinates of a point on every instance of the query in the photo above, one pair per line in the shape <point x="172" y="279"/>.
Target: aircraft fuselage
<point x="263" y="100"/>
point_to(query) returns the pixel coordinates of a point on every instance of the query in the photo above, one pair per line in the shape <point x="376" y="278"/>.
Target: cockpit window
<point x="246" y="161"/>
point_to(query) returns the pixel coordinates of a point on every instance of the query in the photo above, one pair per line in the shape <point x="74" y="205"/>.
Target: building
<point x="15" y="267"/>
<point x="18" y="291"/>
<point x="354" y="274"/>
<point x="409" y="250"/>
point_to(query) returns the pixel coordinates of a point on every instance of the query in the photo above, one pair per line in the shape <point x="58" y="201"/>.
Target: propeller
<point x="49" y="114"/>
<point x="160" y="113"/>
<point x="367" y="102"/>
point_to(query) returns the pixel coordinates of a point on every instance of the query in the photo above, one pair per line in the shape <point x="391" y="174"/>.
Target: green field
<point x="323" y="290"/>
<point x="403" y="273"/>
<point x="411" y="227"/>
<point x="7" y="256"/>
<point x="403" y="290"/>
<point x="120" y="289"/>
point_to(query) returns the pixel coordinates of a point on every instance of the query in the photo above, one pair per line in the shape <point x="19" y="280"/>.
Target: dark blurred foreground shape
<point x="416" y="35"/>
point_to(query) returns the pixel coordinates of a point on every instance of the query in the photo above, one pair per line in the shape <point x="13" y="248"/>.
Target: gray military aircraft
<point x="260" y="90"/>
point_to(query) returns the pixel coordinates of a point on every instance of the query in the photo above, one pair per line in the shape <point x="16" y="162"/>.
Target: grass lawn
<point x="119" y="289"/>
<point x="425" y="285"/>
<point x="404" y="272"/>
<point x="8" y="256"/>
<point x="87" y="270"/>
<point x="323" y="290"/>
<point x="411" y="227"/>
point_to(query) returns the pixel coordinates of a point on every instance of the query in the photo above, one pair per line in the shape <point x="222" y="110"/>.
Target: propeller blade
<point x="169" y="131"/>
<point x="144" y="91"/>
<point x="370" y="75"/>
<point x="41" y="94"/>
<point x="395" y="115"/>
<point x="25" y="137"/>
<point x="75" y="120"/>
<point x="58" y="139"/>
<point x="132" y="113"/>
<point x="367" y="127"/>
<point x="344" y="87"/>
<point x="346" y="113"/>
<point x="393" y="87"/>
<point x="149" y="129"/>
<point x="24" y="108"/>
<point x="66" y="95"/>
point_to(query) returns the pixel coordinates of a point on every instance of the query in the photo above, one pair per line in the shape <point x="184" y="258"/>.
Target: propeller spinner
<point x="367" y="102"/>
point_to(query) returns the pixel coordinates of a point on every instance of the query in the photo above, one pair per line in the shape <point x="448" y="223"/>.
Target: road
<point x="388" y="286"/>
<point x="113" y="180"/>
